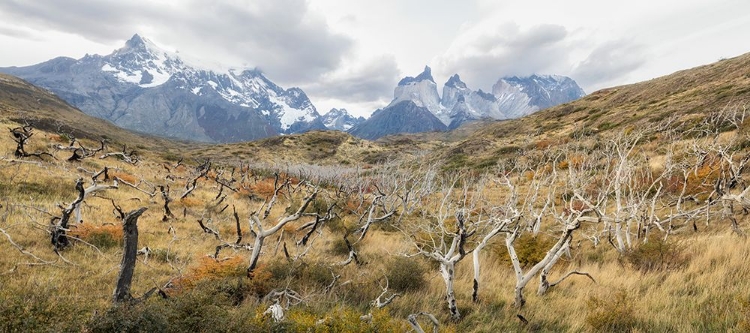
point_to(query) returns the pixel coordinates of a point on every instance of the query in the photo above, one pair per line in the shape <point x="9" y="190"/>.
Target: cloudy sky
<point x="351" y="53"/>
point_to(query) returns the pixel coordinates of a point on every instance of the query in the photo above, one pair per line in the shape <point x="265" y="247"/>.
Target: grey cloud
<point x="18" y="33"/>
<point x="374" y="82"/>
<point x="100" y="21"/>
<point x="510" y="51"/>
<point x="608" y="63"/>
<point x="290" y="43"/>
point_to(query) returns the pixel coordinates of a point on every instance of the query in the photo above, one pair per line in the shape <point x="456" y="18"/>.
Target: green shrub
<point x="529" y="248"/>
<point x="295" y="275"/>
<point x="338" y="247"/>
<point x="656" y="255"/>
<point x="405" y="274"/>
<point x="129" y="318"/>
<point x="38" y="308"/>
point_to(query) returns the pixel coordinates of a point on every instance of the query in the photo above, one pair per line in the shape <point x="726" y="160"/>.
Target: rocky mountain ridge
<point x="511" y="97"/>
<point x="145" y="88"/>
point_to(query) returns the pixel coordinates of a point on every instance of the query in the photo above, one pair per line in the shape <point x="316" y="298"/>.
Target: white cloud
<point x="481" y="56"/>
<point x="347" y="51"/>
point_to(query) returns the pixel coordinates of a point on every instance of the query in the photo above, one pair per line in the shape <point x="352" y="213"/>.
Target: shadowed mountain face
<point x="145" y="88"/>
<point x="404" y="117"/>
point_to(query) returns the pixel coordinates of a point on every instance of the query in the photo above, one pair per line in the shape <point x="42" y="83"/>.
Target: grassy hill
<point x="684" y="96"/>
<point x="641" y="186"/>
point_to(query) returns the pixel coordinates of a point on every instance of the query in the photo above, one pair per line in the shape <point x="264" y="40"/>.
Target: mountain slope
<point x="143" y="87"/>
<point x="403" y="117"/>
<point x="23" y="103"/>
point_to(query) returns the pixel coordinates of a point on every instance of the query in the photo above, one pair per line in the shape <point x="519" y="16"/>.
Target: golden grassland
<point x="706" y="288"/>
<point x="695" y="281"/>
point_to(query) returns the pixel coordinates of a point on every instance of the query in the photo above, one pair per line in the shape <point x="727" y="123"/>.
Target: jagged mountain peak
<point x="426" y="75"/>
<point x="455" y="82"/>
<point x="136" y="42"/>
<point x="144" y="47"/>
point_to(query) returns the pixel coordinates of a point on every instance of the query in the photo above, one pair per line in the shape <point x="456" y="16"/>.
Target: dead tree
<point x="434" y="236"/>
<point x="128" y="157"/>
<point x="21" y="135"/>
<point x="167" y="200"/>
<point x="536" y="200"/>
<point x="258" y="217"/>
<point x="238" y="243"/>
<point x="200" y="172"/>
<point x="80" y="152"/>
<point x="499" y="221"/>
<point x="130" y="251"/>
<point x="59" y="236"/>
<point x="412" y="319"/>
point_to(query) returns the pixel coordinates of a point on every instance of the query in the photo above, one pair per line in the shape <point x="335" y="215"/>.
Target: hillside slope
<point x="683" y="96"/>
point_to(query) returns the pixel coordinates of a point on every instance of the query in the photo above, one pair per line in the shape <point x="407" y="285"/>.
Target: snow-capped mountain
<point x="146" y="88"/>
<point x="511" y="97"/>
<point x="340" y="120"/>
<point x="524" y="95"/>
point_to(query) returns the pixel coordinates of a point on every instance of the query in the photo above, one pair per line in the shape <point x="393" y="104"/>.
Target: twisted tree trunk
<point x="130" y="250"/>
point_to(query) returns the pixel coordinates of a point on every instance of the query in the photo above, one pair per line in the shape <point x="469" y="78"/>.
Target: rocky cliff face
<point x="145" y="88"/>
<point x="524" y="95"/>
<point x="510" y="98"/>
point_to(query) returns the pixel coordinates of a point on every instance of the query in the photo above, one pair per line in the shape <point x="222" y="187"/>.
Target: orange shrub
<point x="59" y="138"/>
<point x="698" y="180"/>
<point x="103" y="237"/>
<point x="190" y="202"/>
<point x="124" y="176"/>
<point x="210" y="269"/>
<point x="263" y="188"/>
<point x="542" y="144"/>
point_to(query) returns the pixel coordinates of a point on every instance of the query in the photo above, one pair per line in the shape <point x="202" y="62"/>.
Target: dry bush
<point x="699" y="181"/>
<point x="611" y="313"/>
<point x="264" y="188"/>
<point x="656" y="255"/>
<point x="190" y="202"/>
<point x="103" y="237"/>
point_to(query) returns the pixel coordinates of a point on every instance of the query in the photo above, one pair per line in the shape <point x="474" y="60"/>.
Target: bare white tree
<point x="258" y="217"/>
